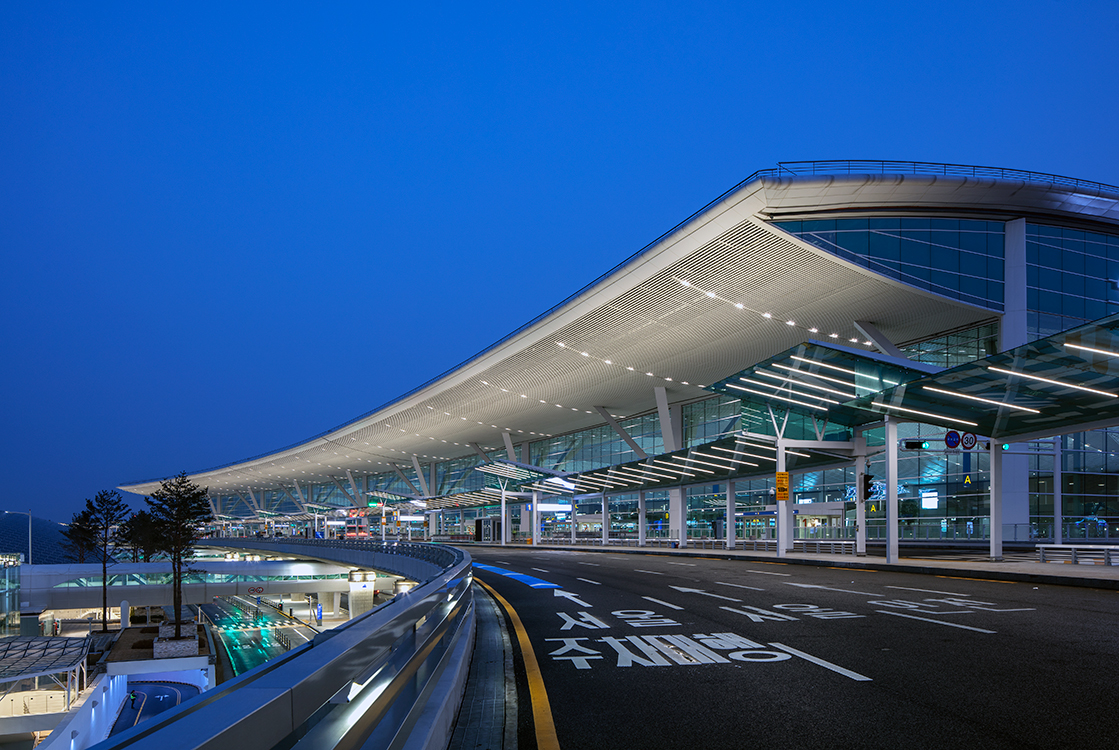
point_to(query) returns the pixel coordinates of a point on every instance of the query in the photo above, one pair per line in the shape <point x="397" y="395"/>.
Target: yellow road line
<point x="965" y="578"/>
<point x="541" y="710"/>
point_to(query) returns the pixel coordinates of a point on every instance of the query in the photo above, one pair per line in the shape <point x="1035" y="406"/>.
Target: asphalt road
<point x="250" y="642"/>
<point x="152" y="699"/>
<point x="644" y="651"/>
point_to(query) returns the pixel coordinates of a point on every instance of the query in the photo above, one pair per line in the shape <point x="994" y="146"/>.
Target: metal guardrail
<point x="1089" y="554"/>
<point x="362" y="684"/>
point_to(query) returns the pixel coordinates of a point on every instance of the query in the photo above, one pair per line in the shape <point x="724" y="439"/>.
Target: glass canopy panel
<point x="1063" y="383"/>
<point x="818" y="380"/>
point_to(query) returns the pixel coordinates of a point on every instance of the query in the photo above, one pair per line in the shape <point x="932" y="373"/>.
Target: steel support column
<point x="891" y="490"/>
<point x="996" y="454"/>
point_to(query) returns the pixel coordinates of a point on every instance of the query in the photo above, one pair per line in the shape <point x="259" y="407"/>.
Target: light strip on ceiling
<point x="1051" y="382"/>
<point x="689" y="462"/>
<point x="647" y="471"/>
<point x="598" y="483"/>
<point x="743" y="453"/>
<point x="774" y="395"/>
<point x="983" y="400"/>
<point x="787" y="379"/>
<point x="1103" y="352"/>
<point x="674" y="467"/>
<point x="630" y="474"/>
<point x="740" y="441"/>
<point x="829" y="366"/>
<point x="763" y="384"/>
<point x="724" y="467"/>
<point x="816" y="375"/>
<point x="724" y="458"/>
<point x="950" y="420"/>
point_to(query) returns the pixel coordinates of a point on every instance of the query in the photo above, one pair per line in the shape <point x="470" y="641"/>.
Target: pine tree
<point x="179" y="508"/>
<point x="139" y="535"/>
<point x="80" y="536"/>
<point x="106" y="511"/>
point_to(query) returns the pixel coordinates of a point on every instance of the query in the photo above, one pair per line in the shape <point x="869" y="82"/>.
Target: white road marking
<point x="927" y="591"/>
<point x="570" y="595"/>
<point x="503" y="562"/>
<point x="594" y="564"/>
<point x="766" y="573"/>
<point x="541" y="570"/>
<point x="826" y="588"/>
<point x="650" y="572"/>
<point x="820" y="662"/>
<point x="588" y="580"/>
<point x="658" y="601"/>
<point x="685" y="590"/>
<point x="938" y="622"/>
<point x="738" y="586"/>
<point x="688" y="564"/>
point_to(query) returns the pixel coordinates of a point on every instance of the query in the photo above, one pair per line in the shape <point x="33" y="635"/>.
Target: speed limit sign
<point x="967" y="440"/>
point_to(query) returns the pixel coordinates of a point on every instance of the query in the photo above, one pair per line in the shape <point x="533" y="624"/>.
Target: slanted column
<point x="860" y="501"/>
<point x="891" y="490"/>
<point x="731" y="506"/>
<point x="996" y="499"/>
<point x="641" y="518"/>
<point x="605" y="520"/>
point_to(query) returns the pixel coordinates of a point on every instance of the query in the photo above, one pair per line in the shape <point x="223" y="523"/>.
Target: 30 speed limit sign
<point x="967" y="440"/>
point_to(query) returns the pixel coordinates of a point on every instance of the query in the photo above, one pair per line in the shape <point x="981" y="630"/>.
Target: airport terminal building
<point x="931" y="327"/>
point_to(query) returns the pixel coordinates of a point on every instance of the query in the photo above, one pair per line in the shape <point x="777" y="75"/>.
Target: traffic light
<point x="868" y="486"/>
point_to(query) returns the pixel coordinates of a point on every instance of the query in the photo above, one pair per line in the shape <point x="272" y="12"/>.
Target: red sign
<point x="256" y="589"/>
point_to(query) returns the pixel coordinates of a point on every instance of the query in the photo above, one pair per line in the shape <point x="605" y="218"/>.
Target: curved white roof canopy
<point x="642" y="318"/>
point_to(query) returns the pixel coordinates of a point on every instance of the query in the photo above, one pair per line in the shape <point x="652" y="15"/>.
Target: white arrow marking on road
<point x="738" y="586"/>
<point x="826" y="588"/>
<point x="569" y="595"/>
<point x="705" y="593"/>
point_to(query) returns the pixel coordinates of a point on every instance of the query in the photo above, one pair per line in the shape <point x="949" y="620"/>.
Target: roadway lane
<point x="249" y="641"/>
<point x="653" y="651"/>
<point x="152" y="699"/>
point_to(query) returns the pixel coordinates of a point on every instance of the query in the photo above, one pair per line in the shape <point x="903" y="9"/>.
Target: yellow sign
<point x="967" y="479"/>
<point x="782" y="486"/>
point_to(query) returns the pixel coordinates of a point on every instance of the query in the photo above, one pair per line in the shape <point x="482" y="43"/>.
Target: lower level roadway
<point x="152" y="699"/>
<point x="646" y="651"/>
<point x="250" y="636"/>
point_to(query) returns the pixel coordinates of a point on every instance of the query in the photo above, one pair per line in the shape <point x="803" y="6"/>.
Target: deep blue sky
<point x="225" y="229"/>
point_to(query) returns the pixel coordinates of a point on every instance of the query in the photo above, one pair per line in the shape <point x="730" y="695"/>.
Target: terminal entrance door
<point x="487" y="529"/>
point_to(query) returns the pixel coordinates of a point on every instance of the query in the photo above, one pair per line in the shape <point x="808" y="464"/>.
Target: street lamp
<point x="28" y="514"/>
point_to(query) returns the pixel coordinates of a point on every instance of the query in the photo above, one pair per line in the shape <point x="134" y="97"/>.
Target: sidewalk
<point x="1054" y="573"/>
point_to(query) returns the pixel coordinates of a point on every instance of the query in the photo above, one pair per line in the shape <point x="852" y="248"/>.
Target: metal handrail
<point x="363" y="681"/>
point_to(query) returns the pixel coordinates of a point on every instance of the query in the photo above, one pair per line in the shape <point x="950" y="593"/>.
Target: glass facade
<point x="9" y="595"/>
<point x="957" y="258"/>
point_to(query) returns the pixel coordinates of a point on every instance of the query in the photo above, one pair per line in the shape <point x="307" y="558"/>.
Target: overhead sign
<point x="782" y="486"/>
<point x="952" y="439"/>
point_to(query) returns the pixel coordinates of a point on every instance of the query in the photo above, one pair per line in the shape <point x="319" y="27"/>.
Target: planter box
<point x="164" y="648"/>
<point x="167" y="630"/>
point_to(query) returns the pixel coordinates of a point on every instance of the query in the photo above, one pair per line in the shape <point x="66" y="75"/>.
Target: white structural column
<point x="535" y="517"/>
<point x="574" y="521"/>
<point x="996" y="499"/>
<point x="783" y="511"/>
<point x="605" y="519"/>
<point x="641" y="518"/>
<point x="1058" y="503"/>
<point x="504" y="515"/>
<point x="891" y="490"/>
<point x="731" y="507"/>
<point x="860" y="501"/>
<point x="1013" y="331"/>
<point x="678" y="515"/>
